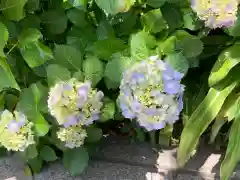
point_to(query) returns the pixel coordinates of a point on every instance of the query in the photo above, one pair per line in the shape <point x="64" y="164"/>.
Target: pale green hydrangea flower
<point x="72" y="136"/>
<point x="75" y="103"/>
<point x="15" y="131"/>
<point x="216" y="13"/>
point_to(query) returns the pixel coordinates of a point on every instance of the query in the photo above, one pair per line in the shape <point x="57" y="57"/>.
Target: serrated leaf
<point x="3" y="38"/>
<point x="115" y="68"/>
<point x="68" y="56"/>
<point x="228" y="59"/>
<point x="11" y="101"/>
<point x="108" y="110"/>
<point x="190" y="20"/>
<point x="115" y="6"/>
<point x="172" y="15"/>
<point x="76" y="160"/>
<point x="54" y="21"/>
<point x="6" y="77"/>
<point x="77" y="17"/>
<point x="93" y="69"/>
<point x="153" y="21"/>
<point x="105" y="30"/>
<point x="36" y="54"/>
<point x="141" y="43"/>
<point x="48" y="154"/>
<point x="178" y="62"/>
<point x="57" y="73"/>
<point x="191" y="46"/>
<point x="232" y="154"/>
<point x="93" y="134"/>
<point x="29" y="35"/>
<point x="13" y="10"/>
<point x="156" y="3"/>
<point x="200" y="119"/>
<point x="106" y="48"/>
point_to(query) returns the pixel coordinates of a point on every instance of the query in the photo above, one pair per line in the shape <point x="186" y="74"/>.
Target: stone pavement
<point x="119" y="159"/>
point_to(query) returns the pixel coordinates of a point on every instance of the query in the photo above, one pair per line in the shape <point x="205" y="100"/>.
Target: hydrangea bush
<point x="69" y="69"/>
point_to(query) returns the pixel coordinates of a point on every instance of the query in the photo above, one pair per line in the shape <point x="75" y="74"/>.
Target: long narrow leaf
<point x="200" y="120"/>
<point x="232" y="156"/>
<point x="226" y="61"/>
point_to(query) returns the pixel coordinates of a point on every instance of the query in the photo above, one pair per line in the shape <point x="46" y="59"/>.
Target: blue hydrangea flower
<point x="151" y="93"/>
<point x="75" y="103"/>
<point x="15" y="131"/>
<point x="216" y="13"/>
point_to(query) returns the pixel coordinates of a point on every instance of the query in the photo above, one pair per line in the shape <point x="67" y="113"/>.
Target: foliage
<point x="45" y="46"/>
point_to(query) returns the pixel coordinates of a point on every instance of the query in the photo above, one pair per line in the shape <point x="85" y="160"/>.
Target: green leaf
<point x="229" y="108"/>
<point x="232" y="154"/>
<point x="77" y="17"/>
<point x="30" y="100"/>
<point x="153" y="21"/>
<point x="94" y="134"/>
<point x="6" y="77"/>
<point x="36" y="54"/>
<point x="228" y="59"/>
<point x="48" y="154"/>
<point x="79" y="75"/>
<point x="68" y="56"/>
<point x="32" y="5"/>
<point x="36" y="164"/>
<point x="13" y="10"/>
<point x="41" y="125"/>
<point x="106" y="48"/>
<point x="108" y="110"/>
<point x="235" y="29"/>
<point x="172" y="15"/>
<point x="191" y="46"/>
<point x="54" y="21"/>
<point x="105" y="30"/>
<point x="76" y="160"/>
<point x="93" y="69"/>
<point x="115" y="6"/>
<point x="115" y="68"/>
<point x="141" y="43"/>
<point x="218" y="123"/>
<point x="156" y="3"/>
<point x="3" y="38"/>
<point x="11" y="101"/>
<point x="57" y="73"/>
<point x="190" y="20"/>
<point x="200" y="120"/>
<point x="29" y="35"/>
<point x="80" y="4"/>
<point x="168" y="46"/>
<point x="31" y="152"/>
<point x="178" y="62"/>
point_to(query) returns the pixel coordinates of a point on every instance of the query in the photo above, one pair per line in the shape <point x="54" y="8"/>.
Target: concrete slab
<point x="99" y="170"/>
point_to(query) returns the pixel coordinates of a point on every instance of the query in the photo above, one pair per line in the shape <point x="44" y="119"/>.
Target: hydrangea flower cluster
<point x="216" y="13"/>
<point x="73" y="136"/>
<point x="15" y="131"/>
<point x="74" y="104"/>
<point x="151" y="93"/>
